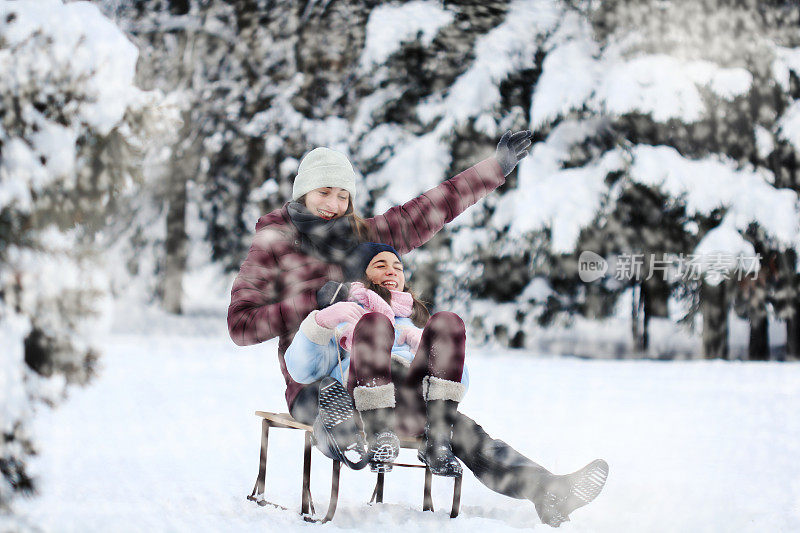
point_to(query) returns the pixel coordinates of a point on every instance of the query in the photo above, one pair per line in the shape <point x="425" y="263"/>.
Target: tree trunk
<point x="650" y="305"/>
<point x="793" y="334"/>
<point x="185" y="166"/>
<point x="637" y="320"/>
<point x="176" y="241"/>
<point x="656" y="291"/>
<point x="650" y="300"/>
<point x="714" y="306"/>
<point x="758" y="347"/>
<point x="791" y="303"/>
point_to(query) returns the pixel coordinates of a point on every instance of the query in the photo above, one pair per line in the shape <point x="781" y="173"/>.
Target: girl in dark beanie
<point x="405" y="371"/>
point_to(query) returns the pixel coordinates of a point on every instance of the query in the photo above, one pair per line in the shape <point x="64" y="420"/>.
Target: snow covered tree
<point x="656" y="121"/>
<point x="264" y="82"/>
<point x="232" y="68"/>
<point x="69" y="113"/>
<point x="180" y="42"/>
<point x="632" y="103"/>
<point x="738" y="120"/>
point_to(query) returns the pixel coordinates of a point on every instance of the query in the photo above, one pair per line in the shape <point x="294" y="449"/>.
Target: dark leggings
<point x="440" y="354"/>
<point x="496" y="464"/>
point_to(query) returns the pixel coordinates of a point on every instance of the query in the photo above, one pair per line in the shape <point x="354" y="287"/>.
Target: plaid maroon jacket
<point x="277" y="283"/>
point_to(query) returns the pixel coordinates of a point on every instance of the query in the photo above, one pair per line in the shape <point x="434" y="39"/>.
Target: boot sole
<point x="585" y="485"/>
<point x="590" y="483"/>
<point x="383" y="456"/>
<point x="337" y="416"/>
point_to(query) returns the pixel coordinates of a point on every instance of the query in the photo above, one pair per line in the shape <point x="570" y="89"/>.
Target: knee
<point x="375" y="319"/>
<point x="447" y="320"/>
<point x="376" y="324"/>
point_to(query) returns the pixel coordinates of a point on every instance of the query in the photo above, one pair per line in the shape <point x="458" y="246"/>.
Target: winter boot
<point x="376" y="406"/>
<point x="441" y="405"/>
<point x="383" y="446"/>
<point x="557" y="497"/>
<point x="336" y="430"/>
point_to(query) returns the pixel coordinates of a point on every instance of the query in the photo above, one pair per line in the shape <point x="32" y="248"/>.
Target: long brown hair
<point x="358" y="223"/>
<point x="419" y="313"/>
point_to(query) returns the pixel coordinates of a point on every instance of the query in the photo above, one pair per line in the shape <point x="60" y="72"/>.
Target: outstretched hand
<point x="512" y="148"/>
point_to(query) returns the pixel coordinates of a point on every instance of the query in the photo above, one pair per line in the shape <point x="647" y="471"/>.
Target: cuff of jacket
<point x="315" y="333"/>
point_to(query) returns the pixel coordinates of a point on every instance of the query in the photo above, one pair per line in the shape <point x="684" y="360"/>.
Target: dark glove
<point x="511" y="149"/>
<point x="331" y="293"/>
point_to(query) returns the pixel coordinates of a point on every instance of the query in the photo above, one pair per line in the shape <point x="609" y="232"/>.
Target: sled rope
<point x="339" y="354"/>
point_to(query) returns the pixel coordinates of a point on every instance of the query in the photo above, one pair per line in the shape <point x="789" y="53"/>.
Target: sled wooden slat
<point x="285" y="420"/>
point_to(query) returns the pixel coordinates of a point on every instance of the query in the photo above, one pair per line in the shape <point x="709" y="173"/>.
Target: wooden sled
<point x="285" y="420"/>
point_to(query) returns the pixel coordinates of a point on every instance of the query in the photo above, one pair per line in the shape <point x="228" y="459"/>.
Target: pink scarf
<point x="402" y="304"/>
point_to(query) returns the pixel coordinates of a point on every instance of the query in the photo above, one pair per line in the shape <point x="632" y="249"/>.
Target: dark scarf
<point x="330" y="240"/>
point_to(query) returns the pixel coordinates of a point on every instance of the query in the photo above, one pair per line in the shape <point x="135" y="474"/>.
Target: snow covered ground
<point x="166" y="440"/>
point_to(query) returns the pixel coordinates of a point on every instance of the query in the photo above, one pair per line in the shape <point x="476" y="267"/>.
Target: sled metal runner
<point x="285" y="420"/>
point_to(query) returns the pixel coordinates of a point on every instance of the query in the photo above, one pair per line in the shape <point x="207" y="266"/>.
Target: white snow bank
<point x="167" y="440"/>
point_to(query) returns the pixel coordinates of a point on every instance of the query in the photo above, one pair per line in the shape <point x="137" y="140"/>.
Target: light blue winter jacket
<point x="312" y="355"/>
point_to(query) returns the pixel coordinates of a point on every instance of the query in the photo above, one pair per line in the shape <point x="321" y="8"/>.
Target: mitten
<point x="333" y="315"/>
<point x="410" y="336"/>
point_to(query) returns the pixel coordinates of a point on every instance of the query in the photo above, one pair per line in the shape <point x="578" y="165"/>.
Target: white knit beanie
<point x="323" y="167"/>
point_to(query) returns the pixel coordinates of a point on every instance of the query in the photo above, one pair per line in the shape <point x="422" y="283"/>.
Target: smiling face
<point x="328" y="202"/>
<point x="386" y="270"/>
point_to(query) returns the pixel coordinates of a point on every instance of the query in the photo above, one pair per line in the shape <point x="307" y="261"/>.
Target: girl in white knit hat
<point x="298" y="248"/>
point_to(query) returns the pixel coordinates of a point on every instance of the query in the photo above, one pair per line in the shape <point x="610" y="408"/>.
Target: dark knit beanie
<point x="357" y="263"/>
